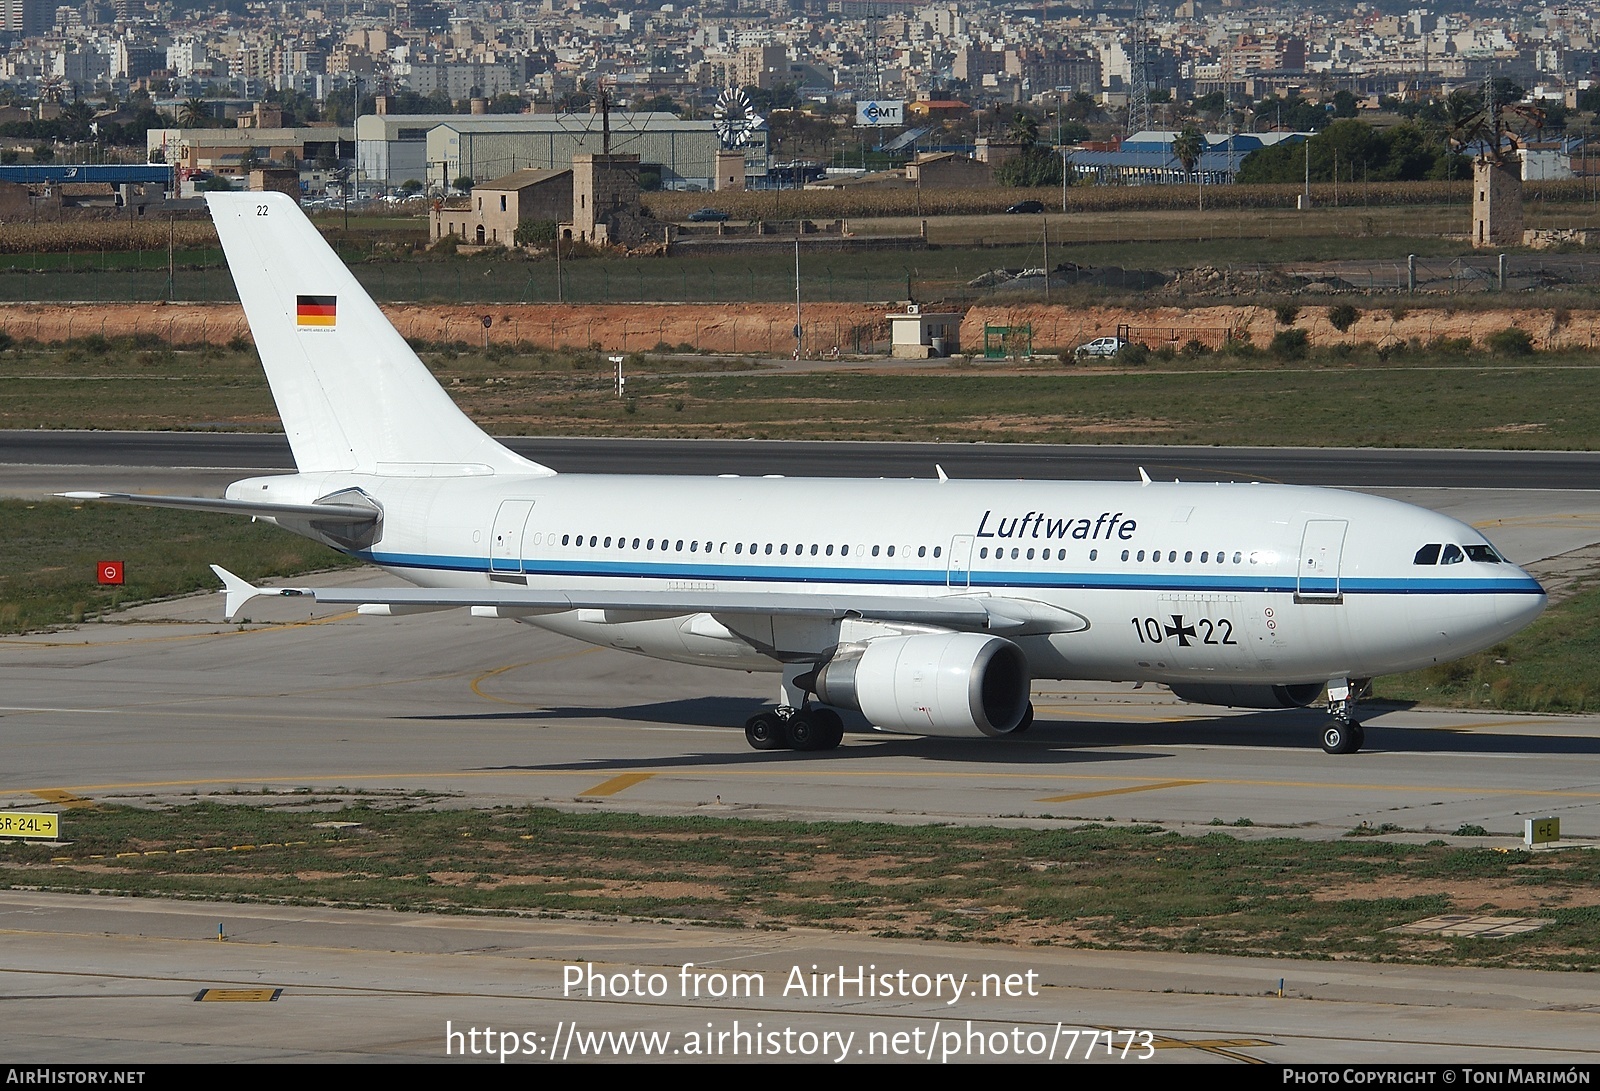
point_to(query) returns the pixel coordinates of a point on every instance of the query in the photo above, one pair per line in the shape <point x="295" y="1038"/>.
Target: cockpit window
<point x="1483" y="553"/>
<point x="1428" y="554"/>
<point x="1452" y="555"/>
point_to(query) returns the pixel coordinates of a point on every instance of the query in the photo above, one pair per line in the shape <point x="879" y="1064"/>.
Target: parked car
<point x="707" y="215"/>
<point x="1026" y="206"/>
<point x="1101" y="346"/>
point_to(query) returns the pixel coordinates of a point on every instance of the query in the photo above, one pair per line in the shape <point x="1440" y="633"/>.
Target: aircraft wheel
<point x="764" y="731"/>
<point x="1342" y="738"/>
<point x="805" y="731"/>
<point x="830" y="727"/>
<point x="1024" y="723"/>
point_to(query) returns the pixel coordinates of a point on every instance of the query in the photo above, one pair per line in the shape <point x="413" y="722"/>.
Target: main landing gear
<point x="789" y="728"/>
<point x="1344" y="734"/>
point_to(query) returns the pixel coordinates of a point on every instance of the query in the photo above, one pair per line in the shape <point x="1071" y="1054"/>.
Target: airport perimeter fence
<point x="1478" y="273"/>
<point x="956" y="272"/>
<point x="202" y="276"/>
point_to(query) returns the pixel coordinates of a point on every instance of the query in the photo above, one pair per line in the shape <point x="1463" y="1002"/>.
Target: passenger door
<point x="1321" y="548"/>
<point x="505" y="540"/>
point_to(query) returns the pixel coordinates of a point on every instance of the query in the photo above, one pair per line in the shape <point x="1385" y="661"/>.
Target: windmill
<point x="734" y="118"/>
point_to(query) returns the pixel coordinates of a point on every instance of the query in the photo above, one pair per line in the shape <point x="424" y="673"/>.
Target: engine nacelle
<point x="1221" y="693"/>
<point x="950" y="684"/>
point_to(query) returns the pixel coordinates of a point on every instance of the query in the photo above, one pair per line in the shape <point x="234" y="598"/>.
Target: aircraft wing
<point x="952" y="611"/>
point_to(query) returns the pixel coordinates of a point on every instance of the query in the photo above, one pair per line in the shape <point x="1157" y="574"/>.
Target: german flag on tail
<point x="316" y="310"/>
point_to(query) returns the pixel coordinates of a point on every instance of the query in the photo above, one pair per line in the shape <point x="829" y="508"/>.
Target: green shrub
<point x="1450" y="346"/>
<point x="1133" y="353"/>
<point x="1195" y="347"/>
<point x="1286" y="313"/>
<point x="533" y="232"/>
<point x="1290" y="344"/>
<point x="1343" y="317"/>
<point x="1510" y="341"/>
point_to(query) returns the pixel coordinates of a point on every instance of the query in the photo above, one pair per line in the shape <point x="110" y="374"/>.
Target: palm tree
<point x="1024" y="129"/>
<point x="195" y="115"/>
<point x="1188" y="145"/>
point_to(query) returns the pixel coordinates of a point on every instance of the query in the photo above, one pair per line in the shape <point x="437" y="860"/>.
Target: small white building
<point x="918" y="335"/>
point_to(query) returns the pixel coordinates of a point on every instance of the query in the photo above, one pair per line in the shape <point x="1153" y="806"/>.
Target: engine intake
<point x="1220" y="693"/>
<point x="956" y="685"/>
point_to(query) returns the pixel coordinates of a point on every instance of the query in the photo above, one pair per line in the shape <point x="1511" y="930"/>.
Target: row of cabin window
<point x="739" y="548"/>
<point x="1094" y="555"/>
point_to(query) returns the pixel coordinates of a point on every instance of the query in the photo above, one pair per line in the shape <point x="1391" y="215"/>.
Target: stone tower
<point x="1497" y="201"/>
<point x="605" y="187"/>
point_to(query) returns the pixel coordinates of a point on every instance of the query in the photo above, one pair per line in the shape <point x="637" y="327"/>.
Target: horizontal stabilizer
<point x="345" y="512"/>
<point x="240" y="591"/>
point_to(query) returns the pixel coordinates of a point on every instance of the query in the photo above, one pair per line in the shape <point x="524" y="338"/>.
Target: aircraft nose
<point x="1515" y="611"/>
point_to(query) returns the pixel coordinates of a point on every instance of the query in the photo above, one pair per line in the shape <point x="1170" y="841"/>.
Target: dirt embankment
<point x="756" y="328"/>
<point x="1066" y="327"/>
<point x="767" y="329"/>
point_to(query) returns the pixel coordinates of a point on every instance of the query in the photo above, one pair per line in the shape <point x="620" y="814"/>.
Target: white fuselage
<point x="1172" y="583"/>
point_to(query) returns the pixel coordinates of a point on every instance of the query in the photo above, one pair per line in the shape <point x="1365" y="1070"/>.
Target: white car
<point x="1101" y="346"/>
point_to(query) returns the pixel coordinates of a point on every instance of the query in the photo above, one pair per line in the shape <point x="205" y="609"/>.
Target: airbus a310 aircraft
<point x="929" y="606"/>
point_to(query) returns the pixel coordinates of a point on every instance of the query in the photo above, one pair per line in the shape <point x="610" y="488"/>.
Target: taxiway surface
<point x="306" y="984"/>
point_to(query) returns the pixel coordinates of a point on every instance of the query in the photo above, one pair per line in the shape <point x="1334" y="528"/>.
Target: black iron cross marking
<point x="1180" y="630"/>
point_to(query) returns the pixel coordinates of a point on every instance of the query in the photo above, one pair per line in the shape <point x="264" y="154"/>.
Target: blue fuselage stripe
<point x="940" y="577"/>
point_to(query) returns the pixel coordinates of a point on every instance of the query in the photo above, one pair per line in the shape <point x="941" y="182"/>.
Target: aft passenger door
<point x="505" y="540"/>
<point x="1321" y="548"/>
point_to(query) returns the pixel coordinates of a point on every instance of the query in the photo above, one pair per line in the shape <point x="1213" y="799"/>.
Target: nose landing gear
<point x="1344" y="734"/>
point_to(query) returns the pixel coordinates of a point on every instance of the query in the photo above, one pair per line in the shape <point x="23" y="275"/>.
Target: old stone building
<point x="491" y="213"/>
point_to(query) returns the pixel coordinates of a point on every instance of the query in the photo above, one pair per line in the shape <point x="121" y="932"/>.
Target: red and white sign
<point x="110" y="571"/>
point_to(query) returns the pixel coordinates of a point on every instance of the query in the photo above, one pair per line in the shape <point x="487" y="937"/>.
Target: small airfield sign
<point x="41" y="824"/>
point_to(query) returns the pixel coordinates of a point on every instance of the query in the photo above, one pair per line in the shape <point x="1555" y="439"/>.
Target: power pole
<point x="1139" y="89"/>
<point x="799" y="331"/>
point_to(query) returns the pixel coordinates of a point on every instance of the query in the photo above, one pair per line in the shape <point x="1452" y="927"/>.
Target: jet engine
<point x="1220" y="693"/>
<point x="949" y="684"/>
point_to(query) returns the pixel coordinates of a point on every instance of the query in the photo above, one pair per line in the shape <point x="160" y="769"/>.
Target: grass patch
<point x="1552" y="407"/>
<point x="1139" y="888"/>
<point x="1419" y="398"/>
<point x="49" y="551"/>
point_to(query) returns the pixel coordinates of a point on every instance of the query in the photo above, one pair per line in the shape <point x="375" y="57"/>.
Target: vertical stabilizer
<point x="352" y="394"/>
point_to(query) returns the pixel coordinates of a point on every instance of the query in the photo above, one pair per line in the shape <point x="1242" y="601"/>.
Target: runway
<point x="243" y="454"/>
<point x="167" y="703"/>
